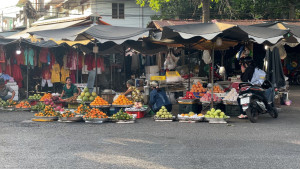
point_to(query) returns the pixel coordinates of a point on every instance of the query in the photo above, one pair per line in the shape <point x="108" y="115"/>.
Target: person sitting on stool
<point x="158" y="98"/>
<point x="4" y="91"/>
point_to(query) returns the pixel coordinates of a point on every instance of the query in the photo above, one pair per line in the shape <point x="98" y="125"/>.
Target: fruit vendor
<point x="135" y="93"/>
<point x="4" y="91"/>
<point x="69" y="89"/>
<point x="158" y="98"/>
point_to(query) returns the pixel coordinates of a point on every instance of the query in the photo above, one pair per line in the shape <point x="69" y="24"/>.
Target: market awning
<point x="229" y="32"/>
<point x="102" y="33"/>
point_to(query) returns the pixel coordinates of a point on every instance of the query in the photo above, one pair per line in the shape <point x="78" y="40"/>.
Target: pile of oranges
<point x="99" y="101"/>
<point x="95" y="113"/>
<point x="46" y="96"/>
<point x="23" y="105"/>
<point x="48" y="112"/>
<point x="68" y="114"/>
<point x="82" y="109"/>
<point x="122" y="100"/>
<point x="198" y="88"/>
<point x="217" y="89"/>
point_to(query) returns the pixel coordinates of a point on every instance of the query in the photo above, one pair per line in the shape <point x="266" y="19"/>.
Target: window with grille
<point x="118" y="11"/>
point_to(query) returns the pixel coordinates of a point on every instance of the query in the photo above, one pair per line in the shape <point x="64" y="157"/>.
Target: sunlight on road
<point x="120" y="160"/>
<point x="295" y="142"/>
<point x="122" y="141"/>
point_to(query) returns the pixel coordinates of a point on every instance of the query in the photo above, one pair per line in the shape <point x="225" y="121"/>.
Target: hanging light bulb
<point x="266" y="47"/>
<point x="18" y="51"/>
<point x="219" y="41"/>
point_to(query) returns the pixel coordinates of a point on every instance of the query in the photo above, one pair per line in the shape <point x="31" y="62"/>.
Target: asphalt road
<point x="271" y="143"/>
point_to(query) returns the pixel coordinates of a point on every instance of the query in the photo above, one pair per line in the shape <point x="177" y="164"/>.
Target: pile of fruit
<point x="207" y="98"/>
<point x="38" y="107"/>
<point x="122" y="100"/>
<point x="49" y="102"/>
<point x="232" y="95"/>
<point x="46" y="96"/>
<point x="213" y="113"/>
<point x="189" y="95"/>
<point x="121" y="115"/>
<point x="68" y="114"/>
<point x="191" y="114"/>
<point x="99" y="101"/>
<point x="35" y="97"/>
<point x="23" y="105"/>
<point x="47" y="112"/>
<point x="87" y="96"/>
<point x="217" y="89"/>
<point x="82" y="109"/>
<point x="8" y="103"/>
<point x="163" y="113"/>
<point x="138" y="105"/>
<point x="198" y="88"/>
<point x="95" y="113"/>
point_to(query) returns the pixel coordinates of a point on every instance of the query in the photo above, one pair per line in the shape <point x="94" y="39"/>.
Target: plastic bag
<point x="171" y="61"/>
<point x="258" y="76"/>
<point x="206" y="57"/>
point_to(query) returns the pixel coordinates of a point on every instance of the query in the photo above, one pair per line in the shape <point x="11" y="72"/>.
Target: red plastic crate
<point x="139" y="114"/>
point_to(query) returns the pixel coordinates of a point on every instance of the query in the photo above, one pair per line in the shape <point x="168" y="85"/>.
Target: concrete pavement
<point x="270" y="143"/>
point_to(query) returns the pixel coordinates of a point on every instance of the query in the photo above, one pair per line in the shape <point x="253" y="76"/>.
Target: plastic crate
<point x="232" y="110"/>
<point x="158" y="78"/>
<point x="139" y="114"/>
<point x="172" y="73"/>
<point x="186" y="108"/>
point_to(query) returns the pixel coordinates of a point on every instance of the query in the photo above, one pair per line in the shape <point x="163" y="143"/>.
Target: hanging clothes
<point x="43" y="55"/>
<point x="19" y="59"/>
<point x="89" y="60"/>
<point x="73" y="75"/>
<point x="65" y="62"/>
<point x="55" y="73"/>
<point x="8" y="67"/>
<point x="46" y="74"/>
<point x="80" y="57"/>
<point x="29" y="56"/>
<point x="2" y="55"/>
<point x="46" y="82"/>
<point x="64" y="74"/>
<point x="52" y="59"/>
<point x="17" y="75"/>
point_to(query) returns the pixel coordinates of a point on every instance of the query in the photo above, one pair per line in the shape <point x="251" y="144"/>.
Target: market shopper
<point x="135" y="93"/>
<point x="247" y="68"/>
<point x="158" y="98"/>
<point x="4" y="91"/>
<point x="69" y="89"/>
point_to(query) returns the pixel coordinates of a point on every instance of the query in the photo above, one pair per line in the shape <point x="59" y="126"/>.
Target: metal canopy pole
<point x="95" y="50"/>
<point x="27" y="95"/>
<point x="189" y="55"/>
<point x="212" y="77"/>
<point x="77" y="65"/>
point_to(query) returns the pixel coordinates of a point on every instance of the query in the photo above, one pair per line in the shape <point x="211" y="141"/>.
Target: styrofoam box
<point x="152" y="69"/>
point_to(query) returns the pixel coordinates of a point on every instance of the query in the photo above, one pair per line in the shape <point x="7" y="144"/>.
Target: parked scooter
<point x="294" y="76"/>
<point x="256" y="100"/>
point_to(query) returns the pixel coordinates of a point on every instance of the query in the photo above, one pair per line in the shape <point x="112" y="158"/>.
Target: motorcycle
<point x="256" y="100"/>
<point x="294" y="76"/>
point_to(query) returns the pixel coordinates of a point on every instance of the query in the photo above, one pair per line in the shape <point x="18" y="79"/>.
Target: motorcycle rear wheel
<point x="252" y="114"/>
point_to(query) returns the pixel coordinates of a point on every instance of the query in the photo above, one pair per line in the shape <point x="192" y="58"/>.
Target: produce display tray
<point x="187" y="119"/>
<point x="217" y="120"/>
<point x="164" y="119"/>
<point x="23" y="109"/>
<point x="122" y="105"/>
<point x="42" y="118"/>
<point x="108" y="106"/>
<point x="70" y="119"/>
<point x="95" y="120"/>
<point x="8" y="109"/>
